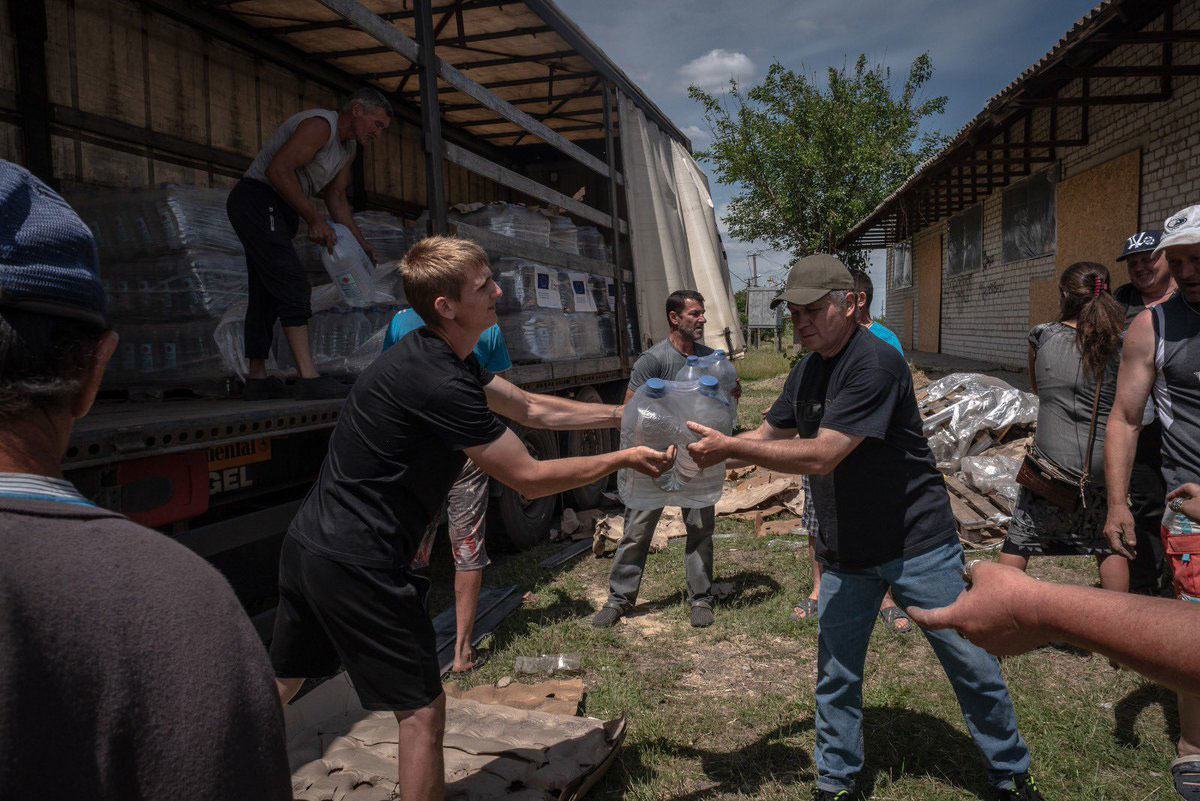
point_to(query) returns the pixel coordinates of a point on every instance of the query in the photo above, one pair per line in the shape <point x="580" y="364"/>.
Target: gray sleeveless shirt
<point x="330" y="159"/>
<point x="1177" y="387"/>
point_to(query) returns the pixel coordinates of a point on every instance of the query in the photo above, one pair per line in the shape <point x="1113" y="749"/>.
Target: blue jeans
<point x="847" y="607"/>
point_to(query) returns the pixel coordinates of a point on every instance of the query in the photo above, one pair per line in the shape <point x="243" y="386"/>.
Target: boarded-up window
<point x="964" y="241"/>
<point x="1028" y="219"/>
<point x="901" y="266"/>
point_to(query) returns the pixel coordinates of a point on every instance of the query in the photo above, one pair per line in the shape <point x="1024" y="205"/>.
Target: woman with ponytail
<point x="1067" y="359"/>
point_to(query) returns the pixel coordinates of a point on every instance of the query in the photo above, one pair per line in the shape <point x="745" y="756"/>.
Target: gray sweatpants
<point x="630" y="559"/>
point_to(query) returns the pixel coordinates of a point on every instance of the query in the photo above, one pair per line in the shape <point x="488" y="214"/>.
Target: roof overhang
<point x="1000" y="145"/>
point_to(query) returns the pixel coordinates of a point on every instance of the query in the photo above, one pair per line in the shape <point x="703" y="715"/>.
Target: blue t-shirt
<point x="885" y="333"/>
<point x="490" y="351"/>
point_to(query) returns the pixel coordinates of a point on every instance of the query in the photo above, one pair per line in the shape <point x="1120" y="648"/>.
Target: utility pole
<point x="754" y="283"/>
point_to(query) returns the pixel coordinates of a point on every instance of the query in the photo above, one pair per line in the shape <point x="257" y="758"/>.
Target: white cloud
<point x="698" y="135"/>
<point x="713" y="70"/>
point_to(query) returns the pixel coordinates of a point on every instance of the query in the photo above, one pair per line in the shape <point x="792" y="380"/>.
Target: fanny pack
<point x="1047" y="480"/>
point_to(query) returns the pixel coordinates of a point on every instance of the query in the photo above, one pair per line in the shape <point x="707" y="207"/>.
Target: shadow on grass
<point x="1132" y="705"/>
<point x="749" y="589"/>
<point x="525" y="620"/>
<point x="899" y="743"/>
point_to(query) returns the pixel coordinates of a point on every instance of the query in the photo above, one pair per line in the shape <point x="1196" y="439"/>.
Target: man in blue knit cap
<point x="127" y="666"/>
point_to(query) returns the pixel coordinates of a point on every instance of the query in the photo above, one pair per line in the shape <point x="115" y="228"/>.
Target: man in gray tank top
<point x="310" y="154"/>
<point x="1161" y="355"/>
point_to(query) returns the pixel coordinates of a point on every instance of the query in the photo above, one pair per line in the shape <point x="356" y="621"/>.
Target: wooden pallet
<point x="976" y="513"/>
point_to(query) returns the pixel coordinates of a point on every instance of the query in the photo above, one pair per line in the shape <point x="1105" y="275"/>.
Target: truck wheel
<point x="527" y="522"/>
<point x="591" y="442"/>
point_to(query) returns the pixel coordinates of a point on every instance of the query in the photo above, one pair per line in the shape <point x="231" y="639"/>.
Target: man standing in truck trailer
<point x="127" y="666"/>
<point x="311" y="153"/>
<point x="347" y="593"/>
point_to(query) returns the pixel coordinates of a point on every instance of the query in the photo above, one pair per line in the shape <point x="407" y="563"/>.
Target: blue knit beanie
<point x="48" y="258"/>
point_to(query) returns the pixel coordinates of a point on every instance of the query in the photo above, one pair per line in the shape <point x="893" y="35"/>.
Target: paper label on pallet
<point x="584" y="302"/>
<point x="547" y="289"/>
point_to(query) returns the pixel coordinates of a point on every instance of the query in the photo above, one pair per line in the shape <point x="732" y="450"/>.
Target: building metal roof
<point x="950" y="181"/>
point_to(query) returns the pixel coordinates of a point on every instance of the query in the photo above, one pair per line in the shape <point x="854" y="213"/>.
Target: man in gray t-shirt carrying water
<point x="310" y="154"/>
<point x="685" y="316"/>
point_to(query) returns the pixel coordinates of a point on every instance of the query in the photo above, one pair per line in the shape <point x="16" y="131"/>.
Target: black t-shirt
<point x="886" y="500"/>
<point x="395" y="452"/>
<point x="1131" y="300"/>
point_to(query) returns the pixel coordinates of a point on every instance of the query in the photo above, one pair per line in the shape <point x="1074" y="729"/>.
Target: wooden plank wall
<point x="10" y="141"/>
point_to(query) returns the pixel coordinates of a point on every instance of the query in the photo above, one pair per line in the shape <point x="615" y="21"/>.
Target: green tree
<point x="809" y="161"/>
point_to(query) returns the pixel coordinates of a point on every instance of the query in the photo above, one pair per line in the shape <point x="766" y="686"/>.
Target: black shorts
<point x="371" y="621"/>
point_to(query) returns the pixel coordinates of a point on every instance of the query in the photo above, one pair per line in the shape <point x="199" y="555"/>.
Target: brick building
<point x="1097" y="140"/>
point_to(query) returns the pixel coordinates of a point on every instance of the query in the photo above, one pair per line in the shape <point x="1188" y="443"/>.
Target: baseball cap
<point x="1181" y="228"/>
<point x="812" y="278"/>
<point x="48" y="258"/>
<point x="1141" y="242"/>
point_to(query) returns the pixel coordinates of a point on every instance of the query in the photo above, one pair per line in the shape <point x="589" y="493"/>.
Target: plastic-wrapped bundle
<point x="587" y="336"/>
<point x="191" y="285"/>
<point x="598" y="285"/>
<point x="529" y="285"/>
<point x="537" y="335"/>
<point x="592" y="244"/>
<point x="512" y="220"/>
<point x="157" y="353"/>
<point x="993" y="474"/>
<point x="984" y="404"/>
<point x="608" y="333"/>
<point x="563" y="234"/>
<point x="343" y="339"/>
<point x="138" y="223"/>
<point x="655" y="417"/>
<point x="386" y="233"/>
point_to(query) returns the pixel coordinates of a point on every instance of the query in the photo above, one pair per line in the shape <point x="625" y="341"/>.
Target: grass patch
<point x="760" y="363"/>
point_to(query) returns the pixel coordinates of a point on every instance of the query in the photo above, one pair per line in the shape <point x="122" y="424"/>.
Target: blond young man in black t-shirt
<point x="348" y="595"/>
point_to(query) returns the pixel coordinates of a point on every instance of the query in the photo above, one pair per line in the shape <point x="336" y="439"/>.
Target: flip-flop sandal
<point x="893" y="614"/>
<point x="1186" y="773"/>
<point x="805" y="611"/>
<point x="481" y="659"/>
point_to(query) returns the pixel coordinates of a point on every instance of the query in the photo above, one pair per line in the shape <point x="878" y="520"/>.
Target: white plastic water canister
<point x="349" y="267"/>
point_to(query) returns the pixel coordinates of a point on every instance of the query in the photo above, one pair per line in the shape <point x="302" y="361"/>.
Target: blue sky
<point x="977" y="47"/>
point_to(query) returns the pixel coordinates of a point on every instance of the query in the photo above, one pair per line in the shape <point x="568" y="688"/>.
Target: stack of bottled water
<point x="512" y="220"/>
<point x="657" y="417"/>
<point x="592" y="244"/>
<point x="564" y="235"/>
<point x="532" y="311"/>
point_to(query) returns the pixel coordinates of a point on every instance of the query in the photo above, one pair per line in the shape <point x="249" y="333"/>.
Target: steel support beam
<point x="610" y="155"/>
<point x="445" y="42"/>
<point x="390" y="16"/>
<point x="27" y="19"/>
<point x="431" y="119"/>
<point x="387" y="34"/>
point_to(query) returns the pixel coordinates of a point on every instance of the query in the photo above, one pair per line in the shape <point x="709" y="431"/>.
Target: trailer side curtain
<point x="672" y="231"/>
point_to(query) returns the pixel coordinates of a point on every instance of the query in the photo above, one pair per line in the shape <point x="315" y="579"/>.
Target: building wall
<point x="986" y="313"/>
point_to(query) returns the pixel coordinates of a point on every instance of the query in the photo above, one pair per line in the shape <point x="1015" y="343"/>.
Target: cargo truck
<point x="497" y="100"/>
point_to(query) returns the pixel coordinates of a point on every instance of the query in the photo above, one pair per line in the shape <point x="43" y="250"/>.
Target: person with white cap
<point x="1161" y="354"/>
<point x="1150" y="283"/>
<point x="848" y="417"/>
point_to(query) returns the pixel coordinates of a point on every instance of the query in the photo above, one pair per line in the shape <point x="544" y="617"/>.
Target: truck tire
<point x="588" y="442"/>
<point x="526" y="522"/>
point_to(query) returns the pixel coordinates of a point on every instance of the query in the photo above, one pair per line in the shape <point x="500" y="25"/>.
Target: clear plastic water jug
<point x="656" y="416"/>
<point x="349" y="267"/>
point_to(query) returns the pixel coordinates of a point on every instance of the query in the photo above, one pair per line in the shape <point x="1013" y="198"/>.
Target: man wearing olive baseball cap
<point x="848" y="418"/>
